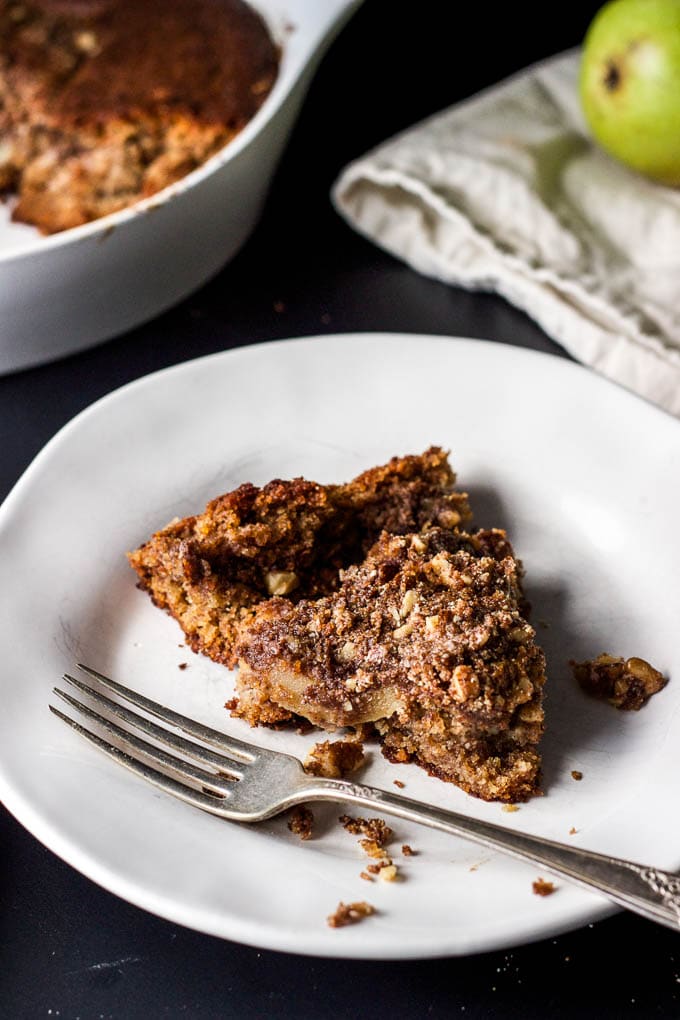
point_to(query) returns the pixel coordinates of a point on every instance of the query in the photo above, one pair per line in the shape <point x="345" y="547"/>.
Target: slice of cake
<point x="427" y="640"/>
<point x="365" y="603"/>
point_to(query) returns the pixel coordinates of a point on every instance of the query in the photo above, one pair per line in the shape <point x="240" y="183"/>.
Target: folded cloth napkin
<point x="506" y="192"/>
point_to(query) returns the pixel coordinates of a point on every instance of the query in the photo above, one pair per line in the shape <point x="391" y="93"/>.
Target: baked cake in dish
<point x="365" y="604"/>
<point x="105" y="102"/>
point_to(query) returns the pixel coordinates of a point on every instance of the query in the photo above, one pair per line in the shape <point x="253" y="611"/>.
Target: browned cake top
<point x="87" y="61"/>
<point x="436" y="614"/>
<point x="303" y="531"/>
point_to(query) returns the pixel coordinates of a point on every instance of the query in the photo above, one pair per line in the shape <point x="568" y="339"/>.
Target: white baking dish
<point x="68" y="291"/>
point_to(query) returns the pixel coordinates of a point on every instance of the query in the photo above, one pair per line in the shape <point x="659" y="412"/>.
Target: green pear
<point x="630" y="84"/>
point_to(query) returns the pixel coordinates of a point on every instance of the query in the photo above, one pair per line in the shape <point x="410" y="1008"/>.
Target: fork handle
<point x="646" y="890"/>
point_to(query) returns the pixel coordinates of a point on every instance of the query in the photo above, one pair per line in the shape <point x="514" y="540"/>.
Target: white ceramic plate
<point x="583" y="475"/>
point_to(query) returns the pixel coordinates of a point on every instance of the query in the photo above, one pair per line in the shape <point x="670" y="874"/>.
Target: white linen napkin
<point x="506" y="192"/>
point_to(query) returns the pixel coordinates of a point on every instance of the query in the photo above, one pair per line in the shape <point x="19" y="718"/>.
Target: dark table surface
<point x="70" y="949"/>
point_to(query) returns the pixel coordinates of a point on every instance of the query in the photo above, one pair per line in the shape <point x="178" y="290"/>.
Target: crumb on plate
<point x="627" y="684"/>
<point x="349" y="913"/>
<point x="334" y="759"/>
<point x="301" y="821"/>
<point x="543" y="888"/>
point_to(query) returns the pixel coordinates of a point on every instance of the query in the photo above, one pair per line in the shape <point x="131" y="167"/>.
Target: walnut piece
<point x="281" y="582"/>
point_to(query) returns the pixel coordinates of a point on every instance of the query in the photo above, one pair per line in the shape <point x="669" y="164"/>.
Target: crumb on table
<point x="334" y="759"/>
<point x="349" y="913"/>
<point x="575" y="774"/>
<point x="627" y="684"/>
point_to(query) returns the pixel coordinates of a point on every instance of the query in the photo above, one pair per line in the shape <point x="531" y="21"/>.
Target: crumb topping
<point x="435" y="615"/>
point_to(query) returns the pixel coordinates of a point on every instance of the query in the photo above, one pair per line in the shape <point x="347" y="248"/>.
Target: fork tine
<point x="230" y="745"/>
<point x="197" y="751"/>
<point x="156" y="754"/>
<point x="196" y="798"/>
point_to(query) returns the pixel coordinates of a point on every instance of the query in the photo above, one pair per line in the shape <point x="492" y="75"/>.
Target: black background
<point x="69" y="949"/>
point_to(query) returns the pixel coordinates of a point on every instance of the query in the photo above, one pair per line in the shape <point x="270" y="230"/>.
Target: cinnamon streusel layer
<point x="426" y="639"/>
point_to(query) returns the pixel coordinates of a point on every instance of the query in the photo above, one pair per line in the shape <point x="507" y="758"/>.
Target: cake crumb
<point x="510" y="808"/>
<point x="366" y="877"/>
<point x="301" y="821"/>
<point x="372" y="848"/>
<point x="575" y="774"/>
<point x="349" y="913"/>
<point x="543" y="888"/>
<point x="182" y="665"/>
<point x="376" y="834"/>
<point x="388" y="873"/>
<point x="334" y="759"/>
<point x="398" y="783"/>
<point x="627" y="684"/>
<point x="408" y="851"/>
<point x="573" y="831"/>
<point x="374" y="828"/>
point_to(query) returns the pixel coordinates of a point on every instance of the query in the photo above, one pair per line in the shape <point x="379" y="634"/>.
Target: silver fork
<point x="244" y="783"/>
